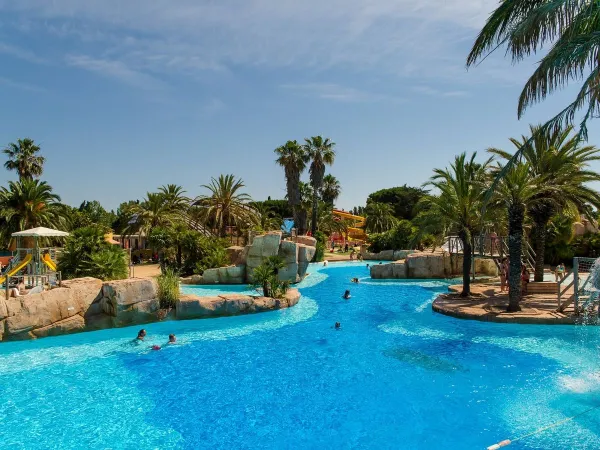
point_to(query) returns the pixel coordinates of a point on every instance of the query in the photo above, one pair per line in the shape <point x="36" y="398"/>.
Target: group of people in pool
<point x="142" y="335"/>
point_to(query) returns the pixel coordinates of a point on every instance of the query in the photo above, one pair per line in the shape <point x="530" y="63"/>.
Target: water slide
<point x="20" y="266"/>
<point x="49" y="263"/>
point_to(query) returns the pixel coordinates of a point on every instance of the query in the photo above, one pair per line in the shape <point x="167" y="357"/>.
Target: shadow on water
<point x="423" y="360"/>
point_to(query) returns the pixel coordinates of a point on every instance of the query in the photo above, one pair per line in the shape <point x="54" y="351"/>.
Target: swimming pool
<point x="395" y="376"/>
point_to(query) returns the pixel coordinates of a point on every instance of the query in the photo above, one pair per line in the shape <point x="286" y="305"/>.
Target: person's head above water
<point x="347" y="293"/>
<point x="141" y="334"/>
<point x="172" y="339"/>
<point x="338" y="325"/>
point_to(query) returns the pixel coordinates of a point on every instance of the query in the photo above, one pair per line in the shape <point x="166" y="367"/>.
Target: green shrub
<point x="87" y="254"/>
<point x="401" y="237"/>
<point x="168" y="288"/>
<point x="266" y="277"/>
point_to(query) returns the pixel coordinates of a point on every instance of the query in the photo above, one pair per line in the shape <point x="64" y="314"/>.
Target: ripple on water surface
<point x="395" y="376"/>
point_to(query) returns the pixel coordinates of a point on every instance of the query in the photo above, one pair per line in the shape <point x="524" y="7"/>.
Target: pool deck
<point x="487" y="304"/>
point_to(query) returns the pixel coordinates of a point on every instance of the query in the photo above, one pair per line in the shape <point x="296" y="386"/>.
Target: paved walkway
<point x="489" y="305"/>
<point x="146" y="270"/>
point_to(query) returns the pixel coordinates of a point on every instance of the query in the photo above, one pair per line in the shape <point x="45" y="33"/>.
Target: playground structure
<point x="32" y="262"/>
<point x="356" y="232"/>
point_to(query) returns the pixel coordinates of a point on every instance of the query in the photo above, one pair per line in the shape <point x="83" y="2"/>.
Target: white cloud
<point x="115" y="69"/>
<point x="191" y="36"/>
<point x="20" y="53"/>
<point x="20" y="85"/>
<point x="336" y="92"/>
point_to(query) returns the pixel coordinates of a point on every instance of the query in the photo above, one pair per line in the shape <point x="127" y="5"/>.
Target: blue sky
<point x="124" y="96"/>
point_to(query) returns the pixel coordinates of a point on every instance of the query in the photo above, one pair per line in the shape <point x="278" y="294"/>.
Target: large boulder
<point x="70" y="325"/>
<point x="237" y="255"/>
<point x="387" y="255"/>
<point x="37" y="310"/>
<point x="84" y="291"/>
<point x="262" y="247"/>
<point x="305" y="256"/>
<point x="288" y="252"/>
<point x="224" y="275"/>
<point x="486" y="266"/>
<point x="428" y="265"/>
<point x="306" y="240"/>
<point x="131" y="301"/>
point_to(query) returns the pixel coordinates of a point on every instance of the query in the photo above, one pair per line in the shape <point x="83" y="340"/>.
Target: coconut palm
<point x="321" y="153"/>
<point x="293" y="158"/>
<point x="331" y="189"/>
<point x="570" y="28"/>
<point x="557" y="156"/>
<point x="23" y="158"/>
<point x="380" y="217"/>
<point x="225" y="205"/>
<point x="28" y="204"/>
<point x="459" y="204"/>
<point x="519" y="189"/>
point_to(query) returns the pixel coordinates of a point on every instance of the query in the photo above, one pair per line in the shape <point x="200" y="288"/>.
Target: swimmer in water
<point x="355" y="280"/>
<point x="172" y="339"/>
<point x="338" y="326"/>
<point x="347" y="294"/>
<point x="141" y="335"/>
<point x="325" y="263"/>
<point x="367" y="266"/>
<point x="155" y="347"/>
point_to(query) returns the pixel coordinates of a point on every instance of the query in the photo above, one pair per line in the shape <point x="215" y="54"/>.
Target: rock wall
<point x="296" y="255"/>
<point x="426" y="265"/>
<point x="193" y="307"/>
<point x="88" y="304"/>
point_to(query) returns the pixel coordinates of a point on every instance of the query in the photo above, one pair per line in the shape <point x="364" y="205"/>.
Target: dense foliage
<point x="320" y="246"/>
<point x="266" y="277"/>
<point x="168" y="288"/>
<point x="402" y="199"/>
<point x="87" y="254"/>
<point x="401" y="237"/>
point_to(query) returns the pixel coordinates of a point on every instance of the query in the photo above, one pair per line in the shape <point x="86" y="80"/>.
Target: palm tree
<point x="225" y="205"/>
<point x="175" y="198"/>
<point x="380" y="217"/>
<point x="519" y="189"/>
<point x="267" y="219"/>
<point x="293" y="158"/>
<point x="570" y="28"/>
<point x="460" y="203"/>
<point x="28" y="204"/>
<point x="23" y="158"/>
<point x="321" y="153"/>
<point x="558" y="157"/>
<point x="152" y="212"/>
<point x="331" y="189"/>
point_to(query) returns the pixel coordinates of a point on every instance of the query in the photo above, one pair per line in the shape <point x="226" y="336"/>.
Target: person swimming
<point x="355" y="280"/>
<point x="338" y="326"/>
<point x="367" y="266"/>
<point x="141" y="335"/>
<point x="172" y="339"/>
<point x="325" y="263"/>
<point x="347" y="294"/>
<point x="155" y="347"/>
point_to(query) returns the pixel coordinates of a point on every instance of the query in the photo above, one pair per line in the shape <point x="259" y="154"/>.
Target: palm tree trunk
<point x="301" y="221"/>
<point x="516" y="216"/>
<point x="540" y="249"/>
<point x="315" y="211"/>
<point x="467" y="256"/>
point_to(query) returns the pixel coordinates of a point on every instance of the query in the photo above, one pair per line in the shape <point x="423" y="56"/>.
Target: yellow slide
<point x="17" y="268"/>
<point x="49" y="263"/>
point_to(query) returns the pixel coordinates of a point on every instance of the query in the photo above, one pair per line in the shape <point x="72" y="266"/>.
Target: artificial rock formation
<point x="296" y="256"/>
<point x="387" y="255"/>
<point x="427" y="265"/>
<point x="194" y="307"/>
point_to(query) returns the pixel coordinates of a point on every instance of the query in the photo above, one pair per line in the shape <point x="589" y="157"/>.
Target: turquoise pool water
<point x="395" y="376"/>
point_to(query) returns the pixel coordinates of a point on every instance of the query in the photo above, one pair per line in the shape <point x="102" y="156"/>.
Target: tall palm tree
<point x="380" y="217"/>
<point x="331" y="189"/>
<point x="570" y="28"/>
<point x="175" y="198"/>
<point x="519" y="189"/>
<point x="225" y="205"/>
<point x="557" y="156"/>
<point x="23" y="158"/>
<point x="459" y="204"/>
<point x="293" y="158"/>
<point x="28" y="204"/>
<point x="150" y="213"/>
<point x="321" y="153"/>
